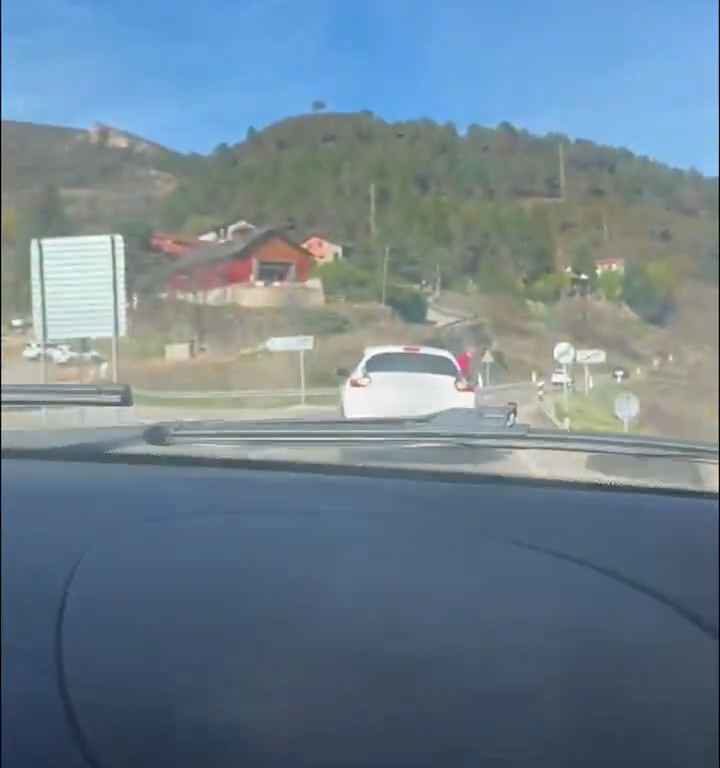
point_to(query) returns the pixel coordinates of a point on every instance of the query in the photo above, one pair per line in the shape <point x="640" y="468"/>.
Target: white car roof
<point x="415" y="348"/>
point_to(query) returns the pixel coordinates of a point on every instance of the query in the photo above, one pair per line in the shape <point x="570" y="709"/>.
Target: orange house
<point x="323" y="250"/>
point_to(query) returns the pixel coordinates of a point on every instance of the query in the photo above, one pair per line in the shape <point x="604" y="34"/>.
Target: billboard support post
<point x="116" y="319"/>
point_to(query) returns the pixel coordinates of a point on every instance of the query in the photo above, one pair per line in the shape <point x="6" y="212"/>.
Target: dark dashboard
<point x="199" y="616"/>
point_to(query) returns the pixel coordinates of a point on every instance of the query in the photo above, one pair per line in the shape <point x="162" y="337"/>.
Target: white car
<point x="56" y="353"/>
<point x="404" y="382"/>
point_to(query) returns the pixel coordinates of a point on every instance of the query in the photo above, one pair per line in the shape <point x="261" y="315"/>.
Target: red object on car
<point x="465" y="362"/>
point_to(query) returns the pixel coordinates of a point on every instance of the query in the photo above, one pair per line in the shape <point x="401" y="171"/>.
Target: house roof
<point x="320" y="234"/>
<point x="213" y="253"/>
<point x="611" y="260"/>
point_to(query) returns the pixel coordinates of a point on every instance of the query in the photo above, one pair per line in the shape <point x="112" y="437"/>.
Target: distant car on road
<point x="403" y="382"/>
<point x="60" y="354"/>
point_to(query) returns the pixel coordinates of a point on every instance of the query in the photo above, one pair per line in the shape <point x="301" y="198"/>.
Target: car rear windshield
<point x="409" y="362"/>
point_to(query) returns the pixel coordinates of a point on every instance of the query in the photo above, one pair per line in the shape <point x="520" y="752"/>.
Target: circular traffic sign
<point x="627" y="406"/>
<point x="564" y="353"/>
<point x="619" y="374"/>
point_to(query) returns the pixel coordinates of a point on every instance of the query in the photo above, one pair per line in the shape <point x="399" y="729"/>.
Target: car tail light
<point x="360" y="381"/>
<point x="463" y="385"/>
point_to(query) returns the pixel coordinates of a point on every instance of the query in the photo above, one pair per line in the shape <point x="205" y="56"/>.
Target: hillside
<point x="102" y="174"/>
<point x="492" y="210"/>
<point x="496" y="212"/>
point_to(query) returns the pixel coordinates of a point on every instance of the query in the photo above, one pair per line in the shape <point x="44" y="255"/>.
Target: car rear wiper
<point x="40" y="395"/>
<point x="496" y="428"/>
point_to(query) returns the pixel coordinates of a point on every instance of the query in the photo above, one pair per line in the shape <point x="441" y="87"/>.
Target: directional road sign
<point x="290" y="343"/>
<point x="590" y="356"/>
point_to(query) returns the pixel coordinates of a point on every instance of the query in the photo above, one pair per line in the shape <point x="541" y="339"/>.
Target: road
<point x="525" y="463"/>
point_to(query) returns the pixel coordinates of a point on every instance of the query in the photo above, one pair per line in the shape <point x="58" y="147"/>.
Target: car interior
<point x="165" y="611"/>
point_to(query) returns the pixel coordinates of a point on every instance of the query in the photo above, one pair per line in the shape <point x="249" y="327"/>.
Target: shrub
<point x="610" y="285"/>
<point x="343" y="279"/>
<point x="547" y="289"/>
<point x="410" y="304"/>
<point x="648" y="291"/>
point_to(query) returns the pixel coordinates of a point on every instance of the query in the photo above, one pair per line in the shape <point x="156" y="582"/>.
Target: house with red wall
<point x="265" y="257"/>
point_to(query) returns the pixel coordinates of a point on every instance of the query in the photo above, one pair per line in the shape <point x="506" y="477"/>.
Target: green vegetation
<point x="481" y="209"/>
<point x="610" y="286"/>
<point x="594" y="412"/>
<point x="410" y="304"/>
<point x="649" y="290"/>
<point x="321" y="322"/>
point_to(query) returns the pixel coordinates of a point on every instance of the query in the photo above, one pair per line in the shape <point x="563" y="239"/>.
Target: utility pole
<point x="385" y="274"/>
<point x="372" y="210"/>
<point x="606" y="231"/>
<point x="437" y="280"/>
<point x="561" y="157"/>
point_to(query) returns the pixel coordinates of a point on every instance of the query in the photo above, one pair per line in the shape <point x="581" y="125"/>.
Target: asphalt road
<point x="532" y="463"/>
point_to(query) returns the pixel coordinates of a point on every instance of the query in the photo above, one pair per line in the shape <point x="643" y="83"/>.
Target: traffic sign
<point x="290" y="343"/>
<point x="487" y="357"/>
<point x="590" y="356"/>
<point x="619" y="374"/>
<point x="627" y="408"/>
<point x="301" y="344"/>
<point x="78" y="290"/>
<point x="564" y="353"/>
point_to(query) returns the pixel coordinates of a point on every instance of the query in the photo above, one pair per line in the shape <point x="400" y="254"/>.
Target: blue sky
<point x="641" y="73"/>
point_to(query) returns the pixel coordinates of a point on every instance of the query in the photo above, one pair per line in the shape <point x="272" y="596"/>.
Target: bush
<point x="610" y="285"/>
<point x="343" y="279"/>
<point x="547" y="289"/>
<point x="410" y="304"/>
<point x="648" y="291"/>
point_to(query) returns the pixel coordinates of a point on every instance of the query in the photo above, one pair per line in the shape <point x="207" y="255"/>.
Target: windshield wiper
<point x="40" y="395"/>
<point x="491" y="427"/>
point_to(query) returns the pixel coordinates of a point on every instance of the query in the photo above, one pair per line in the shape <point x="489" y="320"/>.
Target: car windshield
<point x="409" y="362"/>
<point x="228" y="210"/>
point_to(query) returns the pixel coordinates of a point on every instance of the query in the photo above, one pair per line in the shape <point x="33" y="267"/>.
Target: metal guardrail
<point x="237" y="394"/>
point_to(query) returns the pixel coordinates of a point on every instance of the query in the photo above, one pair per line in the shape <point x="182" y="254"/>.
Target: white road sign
<point x="627" y="408"/>
<point x="78" y="287"/>
<point x="487" y="358"/>
<point x="290" y="343"/>
<point x="564" y="353"/>
<point x="590" y="356"/>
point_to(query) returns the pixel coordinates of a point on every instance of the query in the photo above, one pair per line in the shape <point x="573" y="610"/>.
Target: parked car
<point x="404" y="381"/>
<point x="60" y="354"/>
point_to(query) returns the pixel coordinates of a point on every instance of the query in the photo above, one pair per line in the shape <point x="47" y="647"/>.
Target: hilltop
<point x="100" y="173"/>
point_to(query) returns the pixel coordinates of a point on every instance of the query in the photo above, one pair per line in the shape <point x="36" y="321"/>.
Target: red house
<point x="173" y="245"/>
<point x="267" y="257"/>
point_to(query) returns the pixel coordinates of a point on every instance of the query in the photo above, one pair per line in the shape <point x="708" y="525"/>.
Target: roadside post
<point x="588" y="357"/>
<point x="627" y="408"/>
<point x="487" y="360"/>
<point x="564" y="354"/>
<point x="300" y="344"/>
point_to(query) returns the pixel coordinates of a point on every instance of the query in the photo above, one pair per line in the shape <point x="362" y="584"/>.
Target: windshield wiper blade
<point x="464" y="429"/>
<point x="462" y="421"/>
<point x="40" y="395"/>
